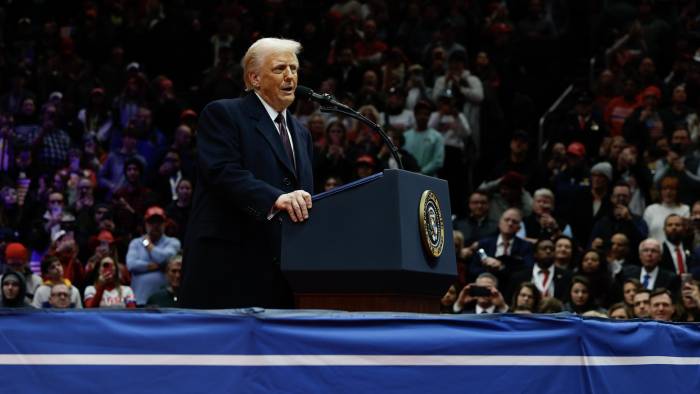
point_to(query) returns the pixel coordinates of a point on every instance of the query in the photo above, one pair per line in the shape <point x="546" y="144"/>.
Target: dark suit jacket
<point x="665" y="278"/>
<point x="562" y="279"/>
<point x="520" y="257"/>
<point x="232" y="250"/>
<point x="667" y="258"/>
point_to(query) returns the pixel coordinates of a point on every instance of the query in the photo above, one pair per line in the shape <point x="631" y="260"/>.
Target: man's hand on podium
<point x="296" y="204"/>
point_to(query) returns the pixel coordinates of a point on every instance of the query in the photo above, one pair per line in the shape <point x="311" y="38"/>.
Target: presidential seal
<point x="431" y="224"/>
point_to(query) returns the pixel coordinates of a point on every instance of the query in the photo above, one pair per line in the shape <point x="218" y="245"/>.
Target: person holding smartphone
<point x="481" y="297"/>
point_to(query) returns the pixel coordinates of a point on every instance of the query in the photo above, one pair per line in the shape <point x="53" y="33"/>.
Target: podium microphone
<point x="323" y="99"/>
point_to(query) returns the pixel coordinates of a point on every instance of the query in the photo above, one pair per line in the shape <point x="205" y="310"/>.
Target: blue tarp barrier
<point x="253" y="351"/>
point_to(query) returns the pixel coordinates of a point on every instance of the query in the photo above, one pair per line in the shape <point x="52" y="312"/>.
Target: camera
<point x="479" y="291"/>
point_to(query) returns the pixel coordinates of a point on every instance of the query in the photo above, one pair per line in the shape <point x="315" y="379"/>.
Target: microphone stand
<point x="356" y="115"/>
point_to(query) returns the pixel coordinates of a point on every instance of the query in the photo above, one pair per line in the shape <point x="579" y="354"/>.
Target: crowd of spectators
<point x="98" y="123"/>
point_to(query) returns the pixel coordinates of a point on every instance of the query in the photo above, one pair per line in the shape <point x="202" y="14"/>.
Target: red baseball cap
<point x="106" y="236"/>
<point x="155" y="211"/>
<point x="576" y="149"/>
<point x="16" y="251"/>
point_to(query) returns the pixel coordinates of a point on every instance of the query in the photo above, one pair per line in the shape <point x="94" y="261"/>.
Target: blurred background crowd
<point x="567" y="131"/>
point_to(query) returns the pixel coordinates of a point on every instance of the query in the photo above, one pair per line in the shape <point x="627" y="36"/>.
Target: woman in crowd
<point x="14" y="291"/>
<point x="335" y="157"/>
<point x="526" y="298"/>
<point x="580" y="300"/>
<point x="107" y="291"/>
<point x="593" y="267"/>
<point x="629" y="289"/>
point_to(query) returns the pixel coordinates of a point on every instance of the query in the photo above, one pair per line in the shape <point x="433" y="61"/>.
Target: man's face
<point x="143" y="119"/>
<point x="641" y="305"/>
<point x="590" y="262"/>
<point x="619" y="246"/>
<point x="174" y="160"/>
<point x="598" y="180"/>
<point x="544" y="253"/>
<point x="183" y="135"/>
<point x="669" y="191"/>
<point x="509" y="223"/>
<point x="519" y="146"/>
<point x="60" y="296"/>
<point x="682" y="138"/>
<point x="662" y="307"/>
<point x="422" y="116"/>
<point x="277" y="79"/>
<point x="133" y="173"/>
<point x="650" y="255"/>
<point x="695" y="214"/>
<point x="542" y="204"/>
<point x="679" y="96"/>
<point x="674" y="229"/>
<point x="563" y="249"/>
<point x="155" y="226"/>
<point x="174" y="274"/>
<point x="10" y="288"/>
<point x="620" y="195"/>
<point x="478" y="205"/>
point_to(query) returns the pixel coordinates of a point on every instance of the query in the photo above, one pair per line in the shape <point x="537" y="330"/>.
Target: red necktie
<point x="679" y="258"/>
<point x="505" y="247"/>
<point x="581" y="123"/>
<point x="545" y="286"/>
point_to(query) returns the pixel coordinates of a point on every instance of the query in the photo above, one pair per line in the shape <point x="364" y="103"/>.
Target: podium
<point x="362" y="250"/>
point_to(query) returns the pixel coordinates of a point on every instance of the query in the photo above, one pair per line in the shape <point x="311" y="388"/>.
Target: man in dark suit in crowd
<point x="254" y="160"/>
<point x="505" y="252"/>
<point x="650" y="274"/>
<point x="675" y="256"/>
<point x="549" y="279"/>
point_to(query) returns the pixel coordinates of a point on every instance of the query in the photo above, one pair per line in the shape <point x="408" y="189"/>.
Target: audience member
<point x="478" y="224"/>
<point x="167" y="296"/>
<point x="471" y="301"/>
<point x="149" y="254"/>
<point x="14" y="291"/>
<point x="505" y="253"/>
<point x="642" y="306"/>
<point x="655" y="214"/>
<point x="650" y="274"/>
<point x="52" y="272"/>
<point x="661" y="305"/>
<point x="107" y="291"/>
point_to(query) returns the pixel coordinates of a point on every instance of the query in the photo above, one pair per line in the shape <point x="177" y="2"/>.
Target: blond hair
<point x="260" y="50"/>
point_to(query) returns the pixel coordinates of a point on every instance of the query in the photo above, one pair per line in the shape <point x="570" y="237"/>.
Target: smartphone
<point x="479" y="291"/>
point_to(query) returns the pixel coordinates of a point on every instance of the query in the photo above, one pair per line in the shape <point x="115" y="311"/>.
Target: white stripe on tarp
<point x="334" y="360"/>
